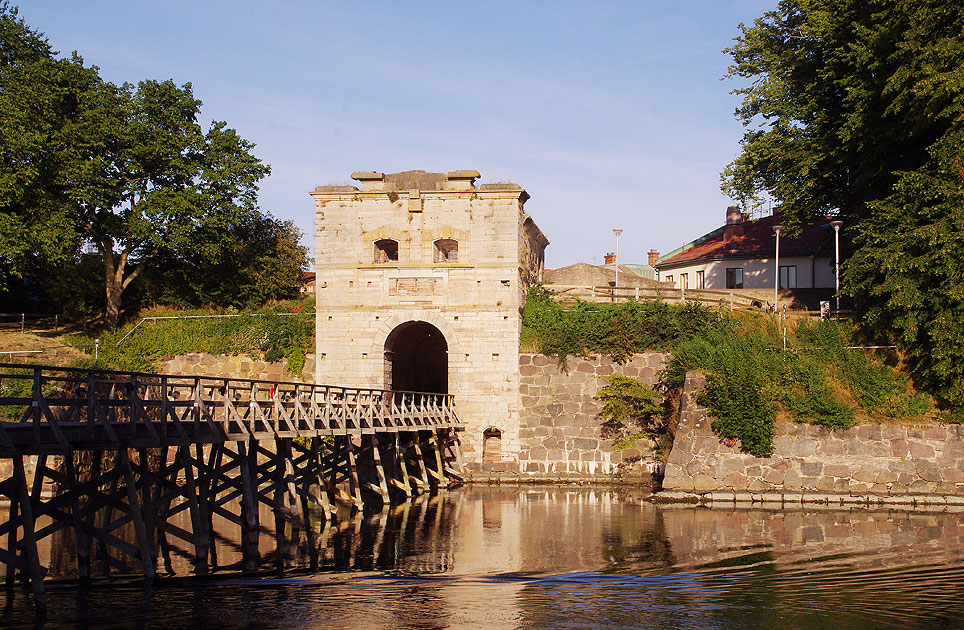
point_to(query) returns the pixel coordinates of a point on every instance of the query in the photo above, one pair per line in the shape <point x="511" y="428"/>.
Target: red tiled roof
<point x="757" y="241"/>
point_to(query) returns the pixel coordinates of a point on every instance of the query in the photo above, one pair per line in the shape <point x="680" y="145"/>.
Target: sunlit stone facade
<point x="408" y="256"/>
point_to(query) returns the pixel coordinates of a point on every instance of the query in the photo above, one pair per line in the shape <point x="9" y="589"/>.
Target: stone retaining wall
<point x="236" y="366"/>
<point x="869" y="463"/>
<point x="559" y="423"/>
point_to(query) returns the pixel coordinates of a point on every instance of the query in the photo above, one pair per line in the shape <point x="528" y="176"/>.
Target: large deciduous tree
<point x="125" y="168"/>
<point x="856" y="108"/>
<point x="148" y="179"/>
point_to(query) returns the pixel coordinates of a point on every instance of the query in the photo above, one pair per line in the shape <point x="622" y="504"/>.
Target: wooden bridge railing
<point x="51" y="410"/>
<point x="610" y="294"/>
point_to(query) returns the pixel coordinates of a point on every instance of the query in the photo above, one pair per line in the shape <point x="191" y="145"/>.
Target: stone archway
<point x="416" y="358"/>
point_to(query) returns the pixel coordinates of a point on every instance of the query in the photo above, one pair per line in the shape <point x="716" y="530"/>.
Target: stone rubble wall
<point x="559" y="424"/>
<point x="236" y="366"/>
<point x="868" y="463"/>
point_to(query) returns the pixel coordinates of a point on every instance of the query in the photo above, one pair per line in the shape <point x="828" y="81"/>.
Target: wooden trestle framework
<point x="131" y="449"/>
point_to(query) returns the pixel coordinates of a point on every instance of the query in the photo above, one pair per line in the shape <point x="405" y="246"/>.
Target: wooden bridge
<point x="118" y="452"/>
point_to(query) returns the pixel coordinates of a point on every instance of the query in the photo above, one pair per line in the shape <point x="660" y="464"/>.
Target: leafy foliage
<point x="856" y="108"/>
<point x="615" y="329"/>
<point x="631" y="411"/>
<point x="128" y="170"/>
<point x="628" y="401"/>
<point x="261" y="259"/>
<point x="38" y="97"/>
<point x="819" y="379"/>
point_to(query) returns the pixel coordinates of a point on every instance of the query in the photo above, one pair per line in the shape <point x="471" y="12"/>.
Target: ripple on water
<point x="562" y="558"/>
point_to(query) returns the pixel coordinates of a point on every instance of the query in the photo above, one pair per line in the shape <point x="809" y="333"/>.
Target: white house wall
<point x="758" y="273"/>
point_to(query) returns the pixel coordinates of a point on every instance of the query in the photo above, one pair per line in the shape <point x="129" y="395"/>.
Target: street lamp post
<point x="776" y="282"/>
<point x="836" y="261"/>
<point x="617" y="232"/>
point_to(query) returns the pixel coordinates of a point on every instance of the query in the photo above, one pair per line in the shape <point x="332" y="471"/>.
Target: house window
<point x="684" y="281"/>
<point x="669" y="279"/>
<point x="700" y="280"/>
<point x="788" y="277"/>
<point x="386" y="250"/>
<point x="734" y="277"/>
<point x="446" y="250"/>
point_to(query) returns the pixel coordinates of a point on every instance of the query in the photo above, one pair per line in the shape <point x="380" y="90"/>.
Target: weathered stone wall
<point x="559" y="423"/>
<point x="236" y="366"/>
<point x="893" y="463"/>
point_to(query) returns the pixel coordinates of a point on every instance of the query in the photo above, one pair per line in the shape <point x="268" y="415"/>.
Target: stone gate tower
<point x="421" y="278"/>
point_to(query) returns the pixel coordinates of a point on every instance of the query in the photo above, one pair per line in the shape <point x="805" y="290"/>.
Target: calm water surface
<point x="551" y="558"/>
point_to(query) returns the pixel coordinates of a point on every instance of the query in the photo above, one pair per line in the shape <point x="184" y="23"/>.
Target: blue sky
<point x="610" y="114"/>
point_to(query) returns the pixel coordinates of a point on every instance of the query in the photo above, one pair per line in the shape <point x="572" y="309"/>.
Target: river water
<point x="551" y="557"/>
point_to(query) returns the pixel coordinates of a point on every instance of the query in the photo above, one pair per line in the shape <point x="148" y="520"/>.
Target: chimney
<point x="653" y="256"/>
<point x="734" y="224"/>
<point x="609" y="258"/>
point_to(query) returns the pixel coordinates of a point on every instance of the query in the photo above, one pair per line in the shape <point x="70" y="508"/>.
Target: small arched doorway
<point x="416" y="359"/>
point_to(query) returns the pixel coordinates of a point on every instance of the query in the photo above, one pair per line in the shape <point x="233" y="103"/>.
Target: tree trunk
<point x="114" y="290"/>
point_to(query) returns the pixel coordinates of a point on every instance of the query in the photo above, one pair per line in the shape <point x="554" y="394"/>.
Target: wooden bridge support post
<point x="419" y="475"/>
<point x="437" y="471"/>
<point x="354" y="483"/>
<point x="250" y="521"/>
<point x="162" y="502"/>
<point x="316" y="446"/>
<point x="14" y="496"/>
<point x="209" y="492"/>
<point x="400" y="475"/>
<point x="377" y="481"/>
<point x="285" y="499"/>
<point x="197" y="520"/>
<point x="140" y="530"/>
<point x="148" y="483"/>
<point x="28" y="524"/>
<point x="81" y="537"/>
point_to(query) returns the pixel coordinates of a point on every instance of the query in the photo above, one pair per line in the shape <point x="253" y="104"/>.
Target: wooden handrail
<point x="66" y="406"/>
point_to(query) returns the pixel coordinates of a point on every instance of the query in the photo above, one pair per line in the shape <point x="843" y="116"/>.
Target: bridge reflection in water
<point x="558" y="557"/>
<point x="117" y="452"/>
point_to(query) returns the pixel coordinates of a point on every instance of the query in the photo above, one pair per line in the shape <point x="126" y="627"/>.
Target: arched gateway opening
<point x="416" y="359"/>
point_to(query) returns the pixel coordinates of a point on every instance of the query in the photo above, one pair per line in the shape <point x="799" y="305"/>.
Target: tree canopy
<point x="129" y="171"/>
<point x="854" y="108"/>
<point x="38" y="97"/>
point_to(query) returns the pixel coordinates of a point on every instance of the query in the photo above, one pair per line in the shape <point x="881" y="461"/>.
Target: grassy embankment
<point x="269" y="335"/>
<point x="818" y="376"/>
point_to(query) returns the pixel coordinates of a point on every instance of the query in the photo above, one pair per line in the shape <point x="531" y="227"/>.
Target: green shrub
<point x="631" y="411"/>
<point x="751" y="376"/>
<point x="741" y="410"/>
<point x="619" y="330"/>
